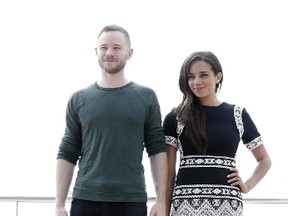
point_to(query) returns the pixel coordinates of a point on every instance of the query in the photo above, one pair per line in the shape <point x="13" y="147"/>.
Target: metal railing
<point x="47" y="199"/>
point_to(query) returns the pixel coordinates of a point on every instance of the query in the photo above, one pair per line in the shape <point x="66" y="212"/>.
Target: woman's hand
<point x="234" y="179"/>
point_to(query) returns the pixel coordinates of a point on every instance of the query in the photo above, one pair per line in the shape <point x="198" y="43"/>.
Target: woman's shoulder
<point x="230" y="106"/>
<point x="170" y="116"/>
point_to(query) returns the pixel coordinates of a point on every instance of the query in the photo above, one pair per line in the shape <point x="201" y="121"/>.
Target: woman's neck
<point x="212" y="102"/>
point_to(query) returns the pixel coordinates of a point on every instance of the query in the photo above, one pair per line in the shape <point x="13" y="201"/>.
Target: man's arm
<point x="64" y="174"/>
<point x="159" y="173"/>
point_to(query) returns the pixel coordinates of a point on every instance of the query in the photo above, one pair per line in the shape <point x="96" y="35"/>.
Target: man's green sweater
<point x="107" y="130"/>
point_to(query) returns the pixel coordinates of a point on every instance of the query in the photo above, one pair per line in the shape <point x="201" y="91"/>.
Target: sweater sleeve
<point x="70" y="146"/>
<point x="154" y="140"/>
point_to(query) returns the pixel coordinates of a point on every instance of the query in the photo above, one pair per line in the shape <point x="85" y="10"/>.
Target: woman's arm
<point x="172" y="158"/>
<point x="262" y="167"/>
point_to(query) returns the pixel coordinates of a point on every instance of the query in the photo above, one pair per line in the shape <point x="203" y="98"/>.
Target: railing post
<point x="17" y="202"/>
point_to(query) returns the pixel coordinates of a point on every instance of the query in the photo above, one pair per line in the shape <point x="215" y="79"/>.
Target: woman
<point x="207" y="133"/>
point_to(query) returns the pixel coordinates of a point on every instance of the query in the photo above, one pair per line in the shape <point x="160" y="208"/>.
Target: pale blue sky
<point x="47" y="53"/>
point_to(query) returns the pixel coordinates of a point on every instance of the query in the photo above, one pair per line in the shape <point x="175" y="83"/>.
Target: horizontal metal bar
<point x="47" y="199"/>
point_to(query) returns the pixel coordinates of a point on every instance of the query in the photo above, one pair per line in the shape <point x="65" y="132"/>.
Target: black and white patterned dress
<point x="201" y="187"/>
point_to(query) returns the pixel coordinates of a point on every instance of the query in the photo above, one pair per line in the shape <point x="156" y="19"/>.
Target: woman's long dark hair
<point x="190" y="111"/>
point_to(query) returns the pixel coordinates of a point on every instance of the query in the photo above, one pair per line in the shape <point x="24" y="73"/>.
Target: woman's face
<point x="202" y="80"/>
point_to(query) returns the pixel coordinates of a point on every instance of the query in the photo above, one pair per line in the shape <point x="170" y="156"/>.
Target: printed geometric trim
<point x="206" y="161"/>
<point x="176" y="143"/>
<point x="171" y="141"/>
<point x="238" y="120"/>
<point x="239" y="124"/>
<point x="207" y="207"/>
<point x="254" y="143"/>
<point x="179" y="130"/>
<point x="180" y="127"/>
<point x="207" y="191"/>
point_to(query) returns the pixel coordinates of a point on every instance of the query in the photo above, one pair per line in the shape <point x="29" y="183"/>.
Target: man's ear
<point x="130" y="53"/>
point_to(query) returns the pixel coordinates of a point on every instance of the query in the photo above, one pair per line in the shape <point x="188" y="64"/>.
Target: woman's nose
<point x="196" y="81"/>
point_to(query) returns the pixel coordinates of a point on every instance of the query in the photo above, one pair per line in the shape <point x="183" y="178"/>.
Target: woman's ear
<point x="219" y="77"/>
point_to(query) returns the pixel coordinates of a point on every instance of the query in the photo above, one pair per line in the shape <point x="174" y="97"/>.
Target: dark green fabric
<point x="107" y="130"/>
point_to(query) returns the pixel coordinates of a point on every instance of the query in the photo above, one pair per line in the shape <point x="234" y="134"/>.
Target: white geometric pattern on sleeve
<point x="254" y="143"/>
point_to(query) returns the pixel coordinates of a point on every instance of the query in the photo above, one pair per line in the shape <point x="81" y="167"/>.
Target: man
<point x="108" y="125"/>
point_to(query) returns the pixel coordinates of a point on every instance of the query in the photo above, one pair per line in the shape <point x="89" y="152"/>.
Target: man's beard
<point x="113" y="70"/>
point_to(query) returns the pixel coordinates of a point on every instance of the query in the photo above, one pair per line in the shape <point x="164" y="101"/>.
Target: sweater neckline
<point x="112" y="89"/>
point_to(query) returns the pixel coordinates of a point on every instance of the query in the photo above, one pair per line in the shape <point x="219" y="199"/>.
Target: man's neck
<point x="112" y="80"/>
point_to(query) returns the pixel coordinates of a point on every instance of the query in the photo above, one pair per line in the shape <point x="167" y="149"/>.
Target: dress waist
<point x="204" y="169"/>
<point x="207" y="161"/>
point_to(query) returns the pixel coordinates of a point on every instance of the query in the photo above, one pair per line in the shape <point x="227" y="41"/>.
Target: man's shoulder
<point x="83" y="92"/>
<point x="142" y="87"/>
<point x="85" y="89"/>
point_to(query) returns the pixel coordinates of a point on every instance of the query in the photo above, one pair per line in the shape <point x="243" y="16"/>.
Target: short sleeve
<point x="170" y="130"/>
<point x="251" y="137"/>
